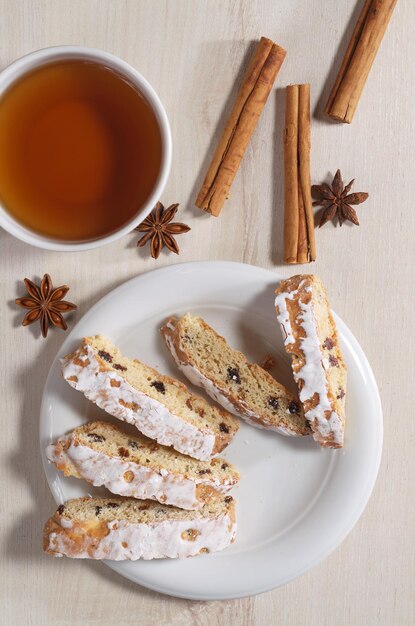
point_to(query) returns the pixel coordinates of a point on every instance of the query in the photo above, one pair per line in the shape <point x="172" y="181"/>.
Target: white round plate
<point x="296" y="502"/>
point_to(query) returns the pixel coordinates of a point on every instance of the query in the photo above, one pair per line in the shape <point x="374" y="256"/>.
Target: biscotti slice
<point x="127" y="529"/>
<point x="310" y="337"/>
<point x="135" y="466"/>
<point x="159" y="406"/>
<point x="244" y="389"/>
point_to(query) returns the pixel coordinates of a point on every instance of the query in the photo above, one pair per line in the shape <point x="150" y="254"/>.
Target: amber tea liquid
<point x="80" y="150"/>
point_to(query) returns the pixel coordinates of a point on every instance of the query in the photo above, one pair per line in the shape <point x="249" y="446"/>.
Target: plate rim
<point x="371" y="479"/>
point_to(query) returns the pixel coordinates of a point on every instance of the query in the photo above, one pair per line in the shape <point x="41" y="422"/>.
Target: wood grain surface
<point x="194" y="53"/>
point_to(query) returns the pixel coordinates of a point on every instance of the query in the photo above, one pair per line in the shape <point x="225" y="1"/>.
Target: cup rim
<point x="23" y="64"/>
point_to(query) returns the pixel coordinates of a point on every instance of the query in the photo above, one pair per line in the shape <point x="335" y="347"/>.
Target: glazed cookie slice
<point x="126" y="529"/>
<point x="310" y="337"/>
<point x="243" y="388"/>
<point x="127" y="465"/>
<point x="159" y="406"/>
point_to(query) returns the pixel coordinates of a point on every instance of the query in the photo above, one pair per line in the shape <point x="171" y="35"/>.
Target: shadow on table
<point x="218" y="49"/>
<point x="277" y="178"/>
<point x="111" y="576"/>
<point x="318" y="112"/>
<point x="25" y="538"/>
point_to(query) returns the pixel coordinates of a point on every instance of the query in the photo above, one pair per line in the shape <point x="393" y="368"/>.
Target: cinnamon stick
<point x="357" y="62"/>
<point x="299" y="241"/>
<point x="304" y="132"/>
<point x="291" y="212"/>
<point x="250" y="101"/>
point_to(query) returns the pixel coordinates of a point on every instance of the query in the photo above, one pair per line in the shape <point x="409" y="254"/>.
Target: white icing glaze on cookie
<point x="122" y="400"/>
<point x="312" y="373"/>
<point x="127" y="478"/>
<point x="216" y="393"/>
<point x="166" y="539"/>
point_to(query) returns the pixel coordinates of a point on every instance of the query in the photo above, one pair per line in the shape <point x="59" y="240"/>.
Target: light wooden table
<point x="192" y="51"/>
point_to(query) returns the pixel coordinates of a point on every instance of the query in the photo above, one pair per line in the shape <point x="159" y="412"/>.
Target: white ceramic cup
<point x="26" y="64"/>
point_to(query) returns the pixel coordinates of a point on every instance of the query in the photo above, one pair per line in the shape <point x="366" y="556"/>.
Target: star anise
<point x="336" y="200"/>
<point x="45" y="304"/>
<point x="158" y="227"/>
